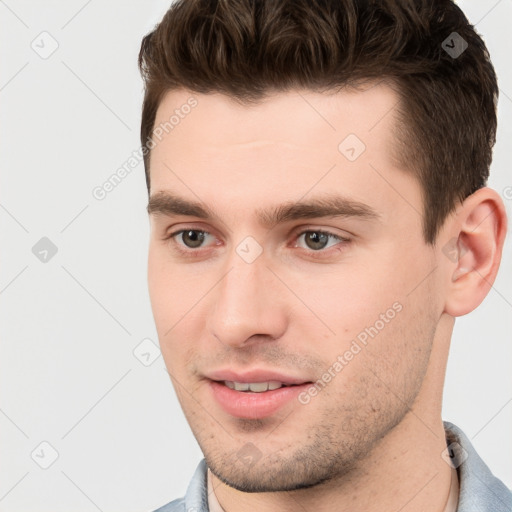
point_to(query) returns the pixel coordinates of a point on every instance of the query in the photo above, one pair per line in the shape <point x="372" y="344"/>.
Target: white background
<point x="69" y="326"/>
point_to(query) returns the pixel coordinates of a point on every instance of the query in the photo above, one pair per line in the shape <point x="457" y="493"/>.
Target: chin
<point x="278" y="477"/>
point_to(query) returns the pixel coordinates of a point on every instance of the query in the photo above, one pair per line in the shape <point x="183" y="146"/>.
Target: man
<point x="317" y="224"/>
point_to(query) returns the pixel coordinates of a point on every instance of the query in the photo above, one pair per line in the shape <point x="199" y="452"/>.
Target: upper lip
<point x="255" y="375"/>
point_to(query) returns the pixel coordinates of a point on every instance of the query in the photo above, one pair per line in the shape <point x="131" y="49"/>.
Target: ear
<point x="477" y="234"/>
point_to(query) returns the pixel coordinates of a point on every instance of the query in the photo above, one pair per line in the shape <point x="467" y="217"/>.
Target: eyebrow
<point x="165" y="203"/>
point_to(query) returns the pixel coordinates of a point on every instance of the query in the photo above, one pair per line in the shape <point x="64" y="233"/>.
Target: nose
<point x="247" y="306"/>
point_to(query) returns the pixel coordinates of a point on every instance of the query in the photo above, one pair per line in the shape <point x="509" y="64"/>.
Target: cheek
<point x="174" y="301"/>
<point x="400" y="351"/>
<point x="156" y="275"/>
<point x="167" y="290"/>
<point x="388" y="361"/>
<point x="373" y="313"/>
<point x="179" y="350"/>
<point x="165" y="297"/>
<point x="348" y="299"/>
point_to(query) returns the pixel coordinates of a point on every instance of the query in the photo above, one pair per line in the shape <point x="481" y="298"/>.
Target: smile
<point x="255" y="387"/>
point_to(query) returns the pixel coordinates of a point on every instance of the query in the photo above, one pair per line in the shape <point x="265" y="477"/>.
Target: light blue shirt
<point x="479" y="489"/>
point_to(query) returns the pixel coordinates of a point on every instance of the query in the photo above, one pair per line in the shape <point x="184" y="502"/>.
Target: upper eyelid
<point x="298" y="231"/>
<point x="312" y="226"/>
<point x="172" y="234"/>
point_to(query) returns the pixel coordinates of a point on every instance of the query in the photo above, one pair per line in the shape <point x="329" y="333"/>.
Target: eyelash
<point x="189" y="251"/>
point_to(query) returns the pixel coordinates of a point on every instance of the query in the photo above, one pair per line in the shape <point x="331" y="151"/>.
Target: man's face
<point x="252" y="296"/>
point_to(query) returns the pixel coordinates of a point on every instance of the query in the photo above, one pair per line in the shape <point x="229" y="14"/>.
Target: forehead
<point x="297" y="117"/>
<point x="288" y="146"/>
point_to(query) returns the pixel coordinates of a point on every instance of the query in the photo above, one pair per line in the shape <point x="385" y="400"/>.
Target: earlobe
<point x="480" y="228"/>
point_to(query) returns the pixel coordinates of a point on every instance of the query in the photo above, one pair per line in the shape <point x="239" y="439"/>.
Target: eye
<point x="189" y="238"/>
<point x="190" y="241"/>
<point x="318" y="239"/>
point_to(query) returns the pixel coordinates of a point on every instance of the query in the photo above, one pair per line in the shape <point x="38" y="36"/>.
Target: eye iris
<point x="318" y="240"/>
<point x="195" y="238"/>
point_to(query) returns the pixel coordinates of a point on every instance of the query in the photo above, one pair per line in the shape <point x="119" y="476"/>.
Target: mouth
<point x="256" y="387"/>
<point x="252" y="396"/>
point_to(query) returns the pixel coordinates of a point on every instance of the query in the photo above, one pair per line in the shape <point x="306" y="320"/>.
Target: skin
<point x="372" y="439"/>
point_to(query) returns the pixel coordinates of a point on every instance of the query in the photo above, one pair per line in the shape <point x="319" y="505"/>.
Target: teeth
<point x="255" y="387"/>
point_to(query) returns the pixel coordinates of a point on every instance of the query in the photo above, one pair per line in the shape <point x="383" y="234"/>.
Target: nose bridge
<point x="245" y="303"/>
<point x="239" y="290"/>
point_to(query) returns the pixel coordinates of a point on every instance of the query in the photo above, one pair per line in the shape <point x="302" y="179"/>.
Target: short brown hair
<point x="248" y="48"/>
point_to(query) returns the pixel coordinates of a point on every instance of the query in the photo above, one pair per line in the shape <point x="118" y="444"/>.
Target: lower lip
<point x="250" y="405"/>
